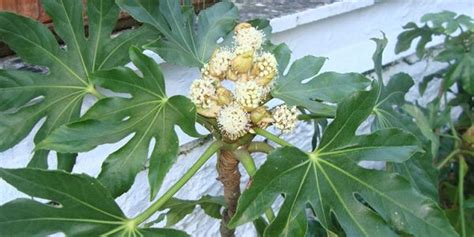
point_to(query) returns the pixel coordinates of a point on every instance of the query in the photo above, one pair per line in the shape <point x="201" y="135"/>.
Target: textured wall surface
<point x="340" y="32"/>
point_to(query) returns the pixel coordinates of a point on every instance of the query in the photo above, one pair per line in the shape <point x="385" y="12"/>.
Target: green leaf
<point x="181" y="44"/>
<point x="412" y="31"/>
<point x="260" y="224"/>
<point x="418" y="170"/>
<point x="463" y="71"/>
<point x="377" y="57"/>
<point x="27" y="97"/>
<point x="424" y="125"/>
<point x="364" y="202"/>
<point x="80" y="206"/>
<point x="447" y="21"/>
<point x="282" y="54"/>
<point x="178" y="208"/>
<point x="330" y="87"/>
<point x="149" y="114"/>
<point x="382" y="145"/>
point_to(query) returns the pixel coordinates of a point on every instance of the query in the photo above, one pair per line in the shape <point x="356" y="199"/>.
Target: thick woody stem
<point x="229" y="175"/>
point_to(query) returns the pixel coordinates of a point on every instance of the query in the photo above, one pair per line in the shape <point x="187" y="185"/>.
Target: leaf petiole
<point x="272" y="137"/>
<point x="461" y="173"/>
<point x="260" y="147"/>
<point x="213" y="148"/>
<point x="247" y="161"/>
<point x="448" y="158"/>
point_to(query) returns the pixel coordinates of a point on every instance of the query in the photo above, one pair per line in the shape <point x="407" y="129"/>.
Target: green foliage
<point x="458" y="50"/>
<point x="177" y="209"/>
<point x="181" y="44"/>
<point x="27" y="97"/>
<point x="295" y="89"/>
<point x="325" y="191"/>
<point x="330" y="180"/>
<point x="79" y="206"/>
<point x="148" y="114"/>
<point x="434" y="124"/>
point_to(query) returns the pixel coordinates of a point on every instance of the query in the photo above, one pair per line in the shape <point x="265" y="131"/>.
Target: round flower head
<point x="250" y="37"/>
<point x="220" y="62"/>
<point x="249" y="94"/>
<point x="265" y="68"/>
<point x="203" y="93"/>
<point x="233" y="121"/>
<point x="285" y="118"/>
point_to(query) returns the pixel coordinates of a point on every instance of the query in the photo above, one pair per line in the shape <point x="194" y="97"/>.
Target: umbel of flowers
<point x="252" y="71"/>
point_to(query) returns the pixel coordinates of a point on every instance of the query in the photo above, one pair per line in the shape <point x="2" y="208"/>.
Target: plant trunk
<point x="229" y="175"/>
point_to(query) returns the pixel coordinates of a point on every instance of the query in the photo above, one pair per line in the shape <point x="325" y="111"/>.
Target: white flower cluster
<point x="247" y="36"/>
<point x="203" y="93"/>
<point x="252" y="70"/>
<point x="249" y="94"/>
<point x="285" y="118"/>
<point x="265" y="68"/>
<point x="233" y="121"/>
<point x="219" y="63"/>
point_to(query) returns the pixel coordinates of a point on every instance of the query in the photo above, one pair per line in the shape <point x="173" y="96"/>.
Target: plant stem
<point x="271" y="136"/>
<point x="462" y="167"/>
<point x="448" y="158"/>
<point x="229" y="176"/>
<point x="247" y="161"/>
<point x="213" y="148"/>
<point x="260" y="147"/>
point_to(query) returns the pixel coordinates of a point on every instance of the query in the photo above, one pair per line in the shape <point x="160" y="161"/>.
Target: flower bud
<point x="224" y="96"/>
<point x="468" y="136"/>
<point x="242" y="25"/>
<point x="211" y="111"/>
<point x="261" y="117"/>
<point x="243" y="61"/>
<point x="231" y="75"/>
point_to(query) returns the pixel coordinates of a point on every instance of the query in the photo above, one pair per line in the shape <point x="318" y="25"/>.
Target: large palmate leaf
<point x="79" y="206"/>
<point x="27" y="97"/>
<point x="364" y="202"/>
<point x="330" y="87"/>
<point x="182" y="44"/>
<point x="389" y="114"/>
<point x="149" y="114"/>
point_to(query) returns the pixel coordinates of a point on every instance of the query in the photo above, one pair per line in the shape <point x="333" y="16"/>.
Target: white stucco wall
<point x="340" y="32"/>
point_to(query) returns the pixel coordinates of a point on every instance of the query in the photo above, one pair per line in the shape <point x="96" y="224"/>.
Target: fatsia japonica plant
<point x="448" y="135"/>
<point x="323" y="189"/>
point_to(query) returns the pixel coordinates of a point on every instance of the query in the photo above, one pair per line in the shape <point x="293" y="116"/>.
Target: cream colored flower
<point x="250" y="37"/>
<point x="233" y="121"/>
<point x="285" y="118"/>
<point x="265" y="68"/>
<point x="203" y="93"/>
<point x="220" y="62"/>
<point x="249" y="94"/>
